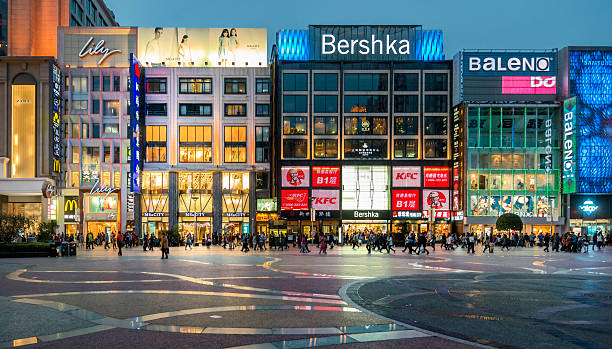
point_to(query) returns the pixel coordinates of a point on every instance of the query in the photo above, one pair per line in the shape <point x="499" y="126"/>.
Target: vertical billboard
<point x="569" y="146"/>
<point x="135" y="124"/>
<point x="457" y="158"/>
<point x="55" y="95"/>
<point x="295" y="177"/>
<point x="202" y="47"/>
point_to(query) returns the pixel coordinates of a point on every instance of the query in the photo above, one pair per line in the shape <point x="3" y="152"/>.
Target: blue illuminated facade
<point x="589" y="72"/>
<point x="292" y="44"/>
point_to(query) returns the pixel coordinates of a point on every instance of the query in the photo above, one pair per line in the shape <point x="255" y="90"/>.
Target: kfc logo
<point x="325" y="200"/>
<point x="436" y="199"/>
<point x="407" y="176"/>
<point x="295" y="176"/>
<point x="294" y="199"/>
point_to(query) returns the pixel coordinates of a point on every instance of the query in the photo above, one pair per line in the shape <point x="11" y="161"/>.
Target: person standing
<point x="120" y="242"/>
<point x="164" y="246"/>
<point x="470" y="243"/>
<point x="188" y="242"/>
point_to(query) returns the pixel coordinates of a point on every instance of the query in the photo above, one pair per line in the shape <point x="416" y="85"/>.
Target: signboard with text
<point x="436" y="177"/>
<point x="135" y="124"/>
<point x="294" y="199"/>
<point x="406" y="200"/>
<point x="326" y="176"/>
<point x="406" y="176"/>
<point x="295" y="176"/>
<point x="328" y="200"/>
<point x="569" y="146"/>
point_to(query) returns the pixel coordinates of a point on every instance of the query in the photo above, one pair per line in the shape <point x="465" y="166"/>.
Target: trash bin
<point x="65" y="249"/>
<point x="73" y="249"/>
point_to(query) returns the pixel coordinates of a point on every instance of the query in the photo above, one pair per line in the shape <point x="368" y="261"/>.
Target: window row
<point x="365" y="104"/>
<point x="365" y="148"/>
<point x="91" y="155"/>
<point x="205" y="85"/>
<point x="105" y="83"/>
<point x="80" y="107"/>
<point x="206" y="109"/>
<point x="366" y="82"/>
<point x="366" y="125"/>
<point x="84" y="130"/>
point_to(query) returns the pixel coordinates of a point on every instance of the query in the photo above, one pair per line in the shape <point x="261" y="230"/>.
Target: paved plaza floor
<point x="218" y="298"/>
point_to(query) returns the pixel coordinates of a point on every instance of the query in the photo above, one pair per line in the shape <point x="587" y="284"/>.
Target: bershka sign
<point x="569" y="146"/>
<point x="366" y="46"/>
<point x="96" y="50"/>
<point x="325" y="200"/>
<point x="510" y="63"/>
<point x="367" y="214"/>
<point x="406" y="176"/>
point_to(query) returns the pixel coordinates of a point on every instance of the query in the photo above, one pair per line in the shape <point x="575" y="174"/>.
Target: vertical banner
<point x="55" y="118"/>
<point x="569" y="146"/>
<point x="135" y="164"/>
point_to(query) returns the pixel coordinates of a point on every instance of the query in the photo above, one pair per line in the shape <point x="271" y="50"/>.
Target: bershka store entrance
<point x="364" y="227"/>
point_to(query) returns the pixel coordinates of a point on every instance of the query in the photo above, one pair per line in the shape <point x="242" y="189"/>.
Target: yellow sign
<point x="23" y="139"/>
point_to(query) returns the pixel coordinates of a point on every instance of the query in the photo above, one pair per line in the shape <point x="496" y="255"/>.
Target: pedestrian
<point x="323" y="245"/>
<point x="470" y="243"/>
<point x="164" y="246"/>
<point x="120" y="242"/>
<point x="422" y="244"/>
<point x="245" y="243"/>
<point x="546" y="242"/>
<point x="188" y="242"/>
<point x="114" y="241"/>
<point x="390" y="244"/>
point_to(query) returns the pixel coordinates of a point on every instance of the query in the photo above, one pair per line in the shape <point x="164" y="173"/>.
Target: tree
<point x="509" y="221"/>
<point x="174" y="236"/>
<point x="13" y="225"/>
<point x="46" y="230"/>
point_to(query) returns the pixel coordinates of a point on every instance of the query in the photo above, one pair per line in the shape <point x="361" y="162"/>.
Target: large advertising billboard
<point x="55" y="95"/>
<point x="436" y="199"/>
<point x="294" y="199"/>
<point x="406" y="176"/>
<point x="202" y="47"/>
<point x="295" y="177"/>
<point x="325" y="200"/>
<point x="326" y="176"/>
<point x="405" y="200"/>
<point x="96" y="47"/>
<point x="436" y="177"/>
<point x="569" y="146"/>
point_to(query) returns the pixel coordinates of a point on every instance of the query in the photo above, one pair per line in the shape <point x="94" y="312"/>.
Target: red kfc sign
<point x="405" y="200"/>
<point x="325" y="200"/>
<point x="407" y="176"/>
<point x="436" y="177"/>
<point x="326" y="176"/>
<point x="294" y="199"/>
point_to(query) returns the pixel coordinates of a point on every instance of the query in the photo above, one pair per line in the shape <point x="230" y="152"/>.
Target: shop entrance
<point x="102" y="228"/>
<point x="363" y="228"/>
<point x="198" y="229"/>
<point x="155" y="228"/>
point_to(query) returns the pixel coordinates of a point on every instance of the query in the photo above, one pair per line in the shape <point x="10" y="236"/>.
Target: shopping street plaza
<point x="216" y="298"/>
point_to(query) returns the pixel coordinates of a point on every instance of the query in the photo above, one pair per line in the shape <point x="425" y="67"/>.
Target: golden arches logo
<point x="70" y="205"/>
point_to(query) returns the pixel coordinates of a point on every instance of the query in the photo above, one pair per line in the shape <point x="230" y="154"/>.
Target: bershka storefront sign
<point x="365" y="214"/>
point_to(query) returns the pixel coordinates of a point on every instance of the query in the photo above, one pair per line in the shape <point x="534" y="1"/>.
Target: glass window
<point x="157" y="109"/>
<point x="326" y="104"/>
<point x="435" y="125"/>
<point x="406" y="82"/>
<point x="195" y="143"/>
<point x="365" y="104"/>
<point x="235" y="144"/>
<point x="262" y="109"/>
<point x="195" y="85"/>
<point x="436" y="104"/>
<point x="116" y="83"/>
<point x="295" y="104"/>
<point x="326" y="82"/>
<point x="107" y="154"/>
<point x="406" y="125"/>
<point x="235" y="86"/>
<point x="365" y="82"/>
<point x="111" y="128"/>
<point x="106" y="83"/>
<point x="326" y="148"/>
<point x="436" y="82"/>
<point x="262" y="86"/>
<point x="90" y="155"/>
<point x="95" y="83"/>
<point x="157" y="85"/>
<point x="235" y="109"/>
<point x="263" y="180"/>
<point x="156" y="143"/>
<point x="79" y="84"/>
<point x="326" y="125"/>
<point x="262" y="144"/>
<point x="365" y="125"/>
<point x="435" y="148"/>
<point x="294" y="125"/>
<point x="295" y="82"/>
<point x="95" y="106"/>
<point x="294" y="148"/>
<point x="110" y="108"/>
<point x="95" y="128"/>
<point x="365" y="187"/>
<point x="79" y="107"/>
<point x="405" y="148"/>
<point x="406" y="103"/>
<point x="195" y="109"/>
<point x="365" y="149"/>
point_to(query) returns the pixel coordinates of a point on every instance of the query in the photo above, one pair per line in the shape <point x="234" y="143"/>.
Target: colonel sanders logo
<point x="295" y="176"/>
<point x="436" y="199"/>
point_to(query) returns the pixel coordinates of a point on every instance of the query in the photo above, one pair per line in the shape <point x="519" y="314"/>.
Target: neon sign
<point x="588" y="207"/>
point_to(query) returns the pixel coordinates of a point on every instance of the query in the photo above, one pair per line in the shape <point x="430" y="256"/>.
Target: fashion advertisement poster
<point x="202" y="47"/>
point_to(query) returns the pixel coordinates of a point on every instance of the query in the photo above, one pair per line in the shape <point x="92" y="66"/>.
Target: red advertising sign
<point x="407" y="176"/>
<point x="436" y="177"/>
<point x="326" y="176"/>
<point x="325" y="200"/>
<point x="406" y="200"/>
<point x="439" y="214"/>
<point x="296" y="199"/>
<point x="529" y="85"/>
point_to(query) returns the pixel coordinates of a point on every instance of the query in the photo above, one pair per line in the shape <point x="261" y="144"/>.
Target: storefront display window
<point x="365" y="188"/>
<point x="101" y="204"/>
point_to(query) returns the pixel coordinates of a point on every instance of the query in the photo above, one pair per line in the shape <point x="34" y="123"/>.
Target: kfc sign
<point x="436" y="199"/>
<point x="436" y="177"/>
<point x="326" y="176"/>
<point x="326" y="200"/>
<point x="294" y="199"/>
<point x="405" y="200"/>
<point x="438" y="215"/>
<point x="407" y="176"/>
<point x="529" y="85"/>
<point x="295" y="176"/>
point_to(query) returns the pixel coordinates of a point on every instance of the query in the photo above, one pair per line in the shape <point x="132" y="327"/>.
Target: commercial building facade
<point x="361" y="129"/>
<point x="506" y="139"/>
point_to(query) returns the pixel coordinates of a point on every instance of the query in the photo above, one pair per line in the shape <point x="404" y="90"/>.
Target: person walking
<point x="114" y="241"/>
<point x="120" y="242"/>
<point x="546" y="242"/>
<point x="164" y="246"/>
<point x="422" y="244"/>
<point x="323" y="245"/>
<point x="245" y="244"/>
<point x="470" y="243"/>
<point x="188" y="242"/>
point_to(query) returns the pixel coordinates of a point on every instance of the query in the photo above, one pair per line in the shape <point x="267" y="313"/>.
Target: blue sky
<point x="516" y="24"/>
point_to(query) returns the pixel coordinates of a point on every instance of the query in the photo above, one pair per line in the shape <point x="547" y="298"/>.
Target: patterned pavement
<point x="216" y="298"/>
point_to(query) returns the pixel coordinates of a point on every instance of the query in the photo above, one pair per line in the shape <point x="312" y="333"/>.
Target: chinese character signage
<point x="326" y="199"/>
<point x="135" y="124"/>
<point x="55" y="118"/>
<point x="436" y="177"/>
<point x="294" y="199"/>
<point x="436" y="199"/>
<point x="569" y="146"/>
<point x="457" y="169"/>
<point x="406" y="200"/>
<point x="407" y="176"/>
<point x="326" y="176"/>
<point x="295" y="176"/>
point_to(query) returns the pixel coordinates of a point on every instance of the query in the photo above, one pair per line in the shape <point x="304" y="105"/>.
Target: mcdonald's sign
<point x="71" y="206"/>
